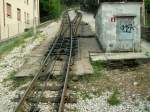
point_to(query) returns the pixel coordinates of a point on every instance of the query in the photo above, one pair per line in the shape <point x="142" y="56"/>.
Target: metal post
<point x="4" y="12"/>
<point x="34" y="19"/>
<point x="0" y="32"/>
<point x="144" y="18"/>
<point x="8" y="30"/>
<point x="18" y="28"/>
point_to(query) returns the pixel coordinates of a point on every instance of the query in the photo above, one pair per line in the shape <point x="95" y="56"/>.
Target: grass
<point x="90" y="81"/>
<point x="147" y="109"/>
<point x="15" y="82"/>
<point x="74" y="110"/>
<point x="85" y="95"/>
<point x="148" y="98"/>
<point x="113" y="99"/>
<point x="9" y="45"/>
<point x="147" y="54"/>
<point x="11" y="76"/>
<point x="97" y="67"/>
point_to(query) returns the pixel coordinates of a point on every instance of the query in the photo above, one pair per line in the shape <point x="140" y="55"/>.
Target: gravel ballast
<point x="100" y="104"/>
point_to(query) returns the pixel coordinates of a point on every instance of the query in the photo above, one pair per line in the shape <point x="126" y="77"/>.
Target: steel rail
<point x="18" y="107"/>
<point x="72" y="32"/>
<point x="46" y="62"/>
<point x="52" y="68"/>
<point x="45" y="84"/>
<point x="78" y="22"/>
<point x="62" y="101"/>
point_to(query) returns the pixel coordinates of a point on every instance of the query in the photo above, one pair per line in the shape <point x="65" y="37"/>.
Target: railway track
<point x="58" y="61"/>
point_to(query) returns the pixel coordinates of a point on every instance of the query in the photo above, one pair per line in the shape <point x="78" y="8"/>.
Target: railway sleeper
<point x="74" y="38"/>
<point x="39" y="88"/>
<point x="68" y="99"/>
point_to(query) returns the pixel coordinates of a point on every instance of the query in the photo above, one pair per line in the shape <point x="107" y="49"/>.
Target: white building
<point x="118" y="26"/>
<point x="16" y="16"/>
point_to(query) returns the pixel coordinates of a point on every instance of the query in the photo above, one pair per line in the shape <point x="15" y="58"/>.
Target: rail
<point x="55" y="49"/>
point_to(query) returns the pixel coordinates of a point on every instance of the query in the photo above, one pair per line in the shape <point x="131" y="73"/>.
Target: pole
<point x="144" y="12"/>
<point x="4" y="12"/>
<point x="34" y="19"/>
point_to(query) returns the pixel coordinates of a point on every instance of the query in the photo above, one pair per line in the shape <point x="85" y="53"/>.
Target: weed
<point x="85" y="95"/>
<point x="11" y="76"/>
<point x="148" y="98"/>
<point x="28" y="34"/>
<point x="147" y="54"/>
<point x="61" y="77"/>
<point x="74" y="110"/>
<point x="147" y="109"/>
<point x="97" y="67"/>
<point x="113" y="99"/>
<point x="15" y="82"/>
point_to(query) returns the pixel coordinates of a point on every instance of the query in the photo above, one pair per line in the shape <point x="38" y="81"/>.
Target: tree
<point x="49" y="9"/>
<point x="70" y="2"/>
<point x="44" y="7"/>
<point x="147" y="5"/>
<point x="55" y="8"/>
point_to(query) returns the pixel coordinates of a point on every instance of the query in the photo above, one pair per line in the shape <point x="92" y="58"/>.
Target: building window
<point x="18" y="14"/>
<point x="9" y="10"/>
<point x="27" y="2"/>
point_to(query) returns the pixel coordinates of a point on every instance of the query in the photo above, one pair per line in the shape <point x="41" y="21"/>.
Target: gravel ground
<point x="100" y="104"/>
<point x="131" y="81"/>
<point x="13" y="61"/>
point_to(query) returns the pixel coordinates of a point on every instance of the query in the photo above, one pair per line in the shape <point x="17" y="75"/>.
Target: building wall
<point x="106" y="24"/>
<point x="1" y="12"/>
<point x="12" y="26"/>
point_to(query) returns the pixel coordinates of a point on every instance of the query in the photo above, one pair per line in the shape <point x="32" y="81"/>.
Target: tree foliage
<point x="70" y="2"/>
<point x="90" y="5"/>
<point x="44" y="7"/>
<point x="55" y="8"/>
<point x="147" y="5"/>
<point x="49" y="9"/>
